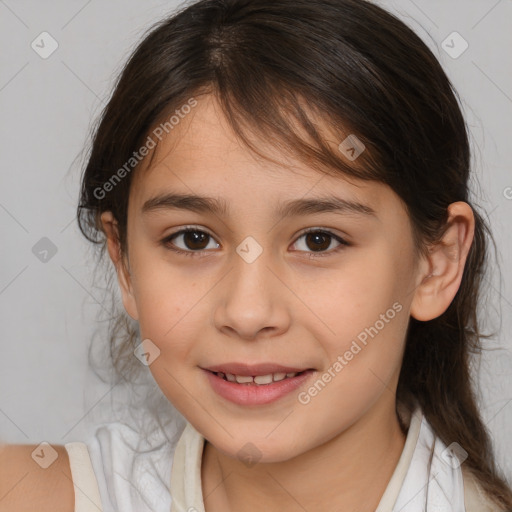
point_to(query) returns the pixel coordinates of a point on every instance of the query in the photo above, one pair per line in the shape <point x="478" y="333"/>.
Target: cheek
<point x="164" y="293"/>
<point x="169" y="316"/>
<point x="174" y="305"/>
<point x="355" y="297"/>
<point x="366" y="309"/>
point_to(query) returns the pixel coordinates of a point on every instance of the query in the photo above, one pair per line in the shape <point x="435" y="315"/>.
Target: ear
<point x="441" y="272"/>
<point x="110" y="227"/>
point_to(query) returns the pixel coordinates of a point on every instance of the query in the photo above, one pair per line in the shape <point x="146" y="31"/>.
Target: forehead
<point x="201" y="155"/>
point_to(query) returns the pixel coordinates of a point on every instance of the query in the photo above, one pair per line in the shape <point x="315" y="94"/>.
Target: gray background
<point x="48" y="308"/>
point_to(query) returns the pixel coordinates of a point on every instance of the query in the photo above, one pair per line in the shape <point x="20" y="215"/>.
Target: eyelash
<point x="166" y="242"/>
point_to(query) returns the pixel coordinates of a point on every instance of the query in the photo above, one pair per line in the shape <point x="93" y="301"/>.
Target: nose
<point x="252" y="302"/>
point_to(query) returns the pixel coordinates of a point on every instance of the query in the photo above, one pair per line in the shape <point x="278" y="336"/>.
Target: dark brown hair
<point x="363" y="71"/>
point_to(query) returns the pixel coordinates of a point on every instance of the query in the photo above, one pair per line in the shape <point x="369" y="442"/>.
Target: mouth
<point x="256" y="370"/>
<point x="258" y="380"/>
<point x="255" y="385"/>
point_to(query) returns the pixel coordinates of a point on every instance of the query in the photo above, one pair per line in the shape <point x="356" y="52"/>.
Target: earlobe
<point x="445" y="263"/>
<point x="110" y="228"/>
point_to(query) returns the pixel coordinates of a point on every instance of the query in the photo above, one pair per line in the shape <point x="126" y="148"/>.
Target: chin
<point x="259" y="449"/>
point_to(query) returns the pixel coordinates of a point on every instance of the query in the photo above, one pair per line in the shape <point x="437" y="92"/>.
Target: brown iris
<point x="320" y="240"/>
<point x="195" y="239"/>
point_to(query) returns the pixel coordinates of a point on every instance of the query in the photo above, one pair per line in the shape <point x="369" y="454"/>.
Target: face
<point x="247" y="287"/>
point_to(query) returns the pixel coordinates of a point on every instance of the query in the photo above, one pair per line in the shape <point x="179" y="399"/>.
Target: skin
<point x="289" y="306"/>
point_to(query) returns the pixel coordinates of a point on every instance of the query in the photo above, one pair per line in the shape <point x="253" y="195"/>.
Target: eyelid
<point x="322" y="230"/>
<point x="190" y="227"/>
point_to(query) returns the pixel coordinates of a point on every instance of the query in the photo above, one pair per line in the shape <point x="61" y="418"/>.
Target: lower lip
<point x="255" y="394"/>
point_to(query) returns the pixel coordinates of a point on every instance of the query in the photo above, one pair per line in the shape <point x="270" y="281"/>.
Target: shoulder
<point x="475" y="498"/>
<point x="35" y="477"/>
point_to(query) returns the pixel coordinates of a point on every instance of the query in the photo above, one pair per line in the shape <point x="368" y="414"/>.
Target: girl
<point x="282" y="187"/>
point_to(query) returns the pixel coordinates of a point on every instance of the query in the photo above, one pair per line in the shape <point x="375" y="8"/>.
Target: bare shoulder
<point x="33" y="478"/>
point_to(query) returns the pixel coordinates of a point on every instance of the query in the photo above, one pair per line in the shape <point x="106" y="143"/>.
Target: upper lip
<point x="254" y="369"/>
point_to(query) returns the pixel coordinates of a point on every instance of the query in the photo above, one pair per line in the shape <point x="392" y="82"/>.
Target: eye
<point x="319" y="240"/>
<point x="194" y="240"/>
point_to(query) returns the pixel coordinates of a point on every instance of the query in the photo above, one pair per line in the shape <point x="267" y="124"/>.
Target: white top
<point x="87" y="496"/>
<point x="168" y="479"/>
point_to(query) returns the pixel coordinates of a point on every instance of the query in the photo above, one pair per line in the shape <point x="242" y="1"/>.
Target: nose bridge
<point x="251" y="300"/>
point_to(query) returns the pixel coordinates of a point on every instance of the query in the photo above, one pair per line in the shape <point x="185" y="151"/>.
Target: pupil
<point x="316" y="236"/>
<point x="193" y="237"/>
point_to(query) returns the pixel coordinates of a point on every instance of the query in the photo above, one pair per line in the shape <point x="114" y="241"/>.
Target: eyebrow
<point x="296" y="207"/>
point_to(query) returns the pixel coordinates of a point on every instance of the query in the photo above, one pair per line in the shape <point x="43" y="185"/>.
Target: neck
<point x="349" y="472"/>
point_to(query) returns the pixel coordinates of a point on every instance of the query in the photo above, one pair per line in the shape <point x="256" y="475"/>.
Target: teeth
<point x="242" y="379"/>
<point x="263" y="379"/>
<point x="259" y="379"/>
